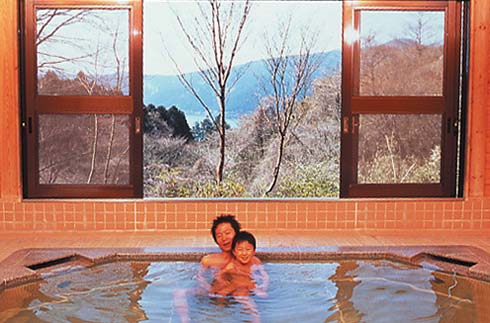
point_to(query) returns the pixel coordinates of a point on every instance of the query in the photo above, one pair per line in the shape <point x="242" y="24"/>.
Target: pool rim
<point x="23" y="265"/>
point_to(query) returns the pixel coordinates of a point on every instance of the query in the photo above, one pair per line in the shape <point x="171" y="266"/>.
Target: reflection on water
<point x="345" y="291"/>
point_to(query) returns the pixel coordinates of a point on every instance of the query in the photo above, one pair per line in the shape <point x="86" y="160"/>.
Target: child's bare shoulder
<point x="256" y="261"/>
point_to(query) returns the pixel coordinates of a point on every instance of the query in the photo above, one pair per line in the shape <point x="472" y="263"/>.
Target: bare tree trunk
<point x="289" y="77"/>
<point x="94" y="149"/>
<point x="275" y="173"/>
<point x="215" y="42"/>
<point x="109" y="149"/>
<point x="221" y="164"/>
<point x="222" y="145"/>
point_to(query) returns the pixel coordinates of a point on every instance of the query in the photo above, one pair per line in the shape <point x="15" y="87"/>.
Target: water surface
<point x="340" y="291"/>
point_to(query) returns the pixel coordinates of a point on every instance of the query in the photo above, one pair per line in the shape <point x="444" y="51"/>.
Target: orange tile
<point x="38" y="207"/>
<point x="8" y="206"/>
<point x="361" y="206"/>
<point x="331" y="207"/>
<point x="89" y="226"/>
<point x="390" y="215"/>
<point x="69" y="207"/>
<point x="99" y="207"/>
<point x="78" y="207"/>
<point x="370" y="217"/>
<point x="140" y="217"/>
<point x="350" y="206"/>
<point x="423" y="224"/>
<point x="321" y="206"/>
<point x="486" y="204"/>
<point x="9" y="217"/>
<point x="371" y="225"/>
<point x="18" y="207"/>
<point x="202" y="225"/>
<point x="371" y="206"/>
<point x="281" y="225"/>
<point x="429" y="206"/>
<point x="100" y="217"/>
<point x="457" y="206"/>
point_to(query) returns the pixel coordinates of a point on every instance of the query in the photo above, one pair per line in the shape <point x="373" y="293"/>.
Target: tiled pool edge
<point x="464" y="260"/>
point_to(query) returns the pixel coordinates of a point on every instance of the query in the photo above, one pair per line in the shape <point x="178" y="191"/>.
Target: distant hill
<point x="167" y="90"/>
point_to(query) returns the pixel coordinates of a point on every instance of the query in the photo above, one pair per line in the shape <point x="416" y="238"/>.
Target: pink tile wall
<point x="142" y="215"/>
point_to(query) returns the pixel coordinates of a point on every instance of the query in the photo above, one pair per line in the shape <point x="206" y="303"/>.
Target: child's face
<point x="244" y="252"/>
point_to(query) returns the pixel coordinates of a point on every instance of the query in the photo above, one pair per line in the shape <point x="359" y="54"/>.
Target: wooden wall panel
<point x="9" y="106"/>
<point x="477" y="178"/>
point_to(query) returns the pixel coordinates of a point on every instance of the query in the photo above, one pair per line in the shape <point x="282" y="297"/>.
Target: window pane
<point x="402" y="53"/>
<point x="271" y="69"/>
<point x="84" y="149"/>
<point x="82" y="52"/>
<point x="399" y="149"/>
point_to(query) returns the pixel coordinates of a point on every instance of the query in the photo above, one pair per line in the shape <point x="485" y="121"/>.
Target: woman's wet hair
<point x="243" y="236"/>
<point x="226" y="218"/>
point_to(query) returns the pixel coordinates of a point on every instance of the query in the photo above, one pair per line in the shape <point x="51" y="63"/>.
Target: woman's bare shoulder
<point x="214" y="260"/>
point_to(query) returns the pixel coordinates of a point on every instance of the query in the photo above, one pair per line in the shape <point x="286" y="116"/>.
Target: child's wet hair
<point x="243" y="236"/>
<point x="226" y="218"/>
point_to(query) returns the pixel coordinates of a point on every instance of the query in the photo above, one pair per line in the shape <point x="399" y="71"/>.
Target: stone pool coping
<point x="26" y="265"/>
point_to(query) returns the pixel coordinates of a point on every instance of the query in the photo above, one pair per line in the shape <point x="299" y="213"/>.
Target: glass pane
<point x="181" y="143"/>
<point x="399" y="149"/>
<point x="402" y="53"/>
<point x="84" y="149"/>
<point x="82" y="51"/>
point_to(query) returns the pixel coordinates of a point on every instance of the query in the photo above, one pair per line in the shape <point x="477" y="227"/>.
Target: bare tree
<point x="49" y="23"/>
<point x="374" y="57"/>
<point x="52" y="31"/>
<point x="420" y="30"/>
<point x="289" y="77"/>
<point x="215" y="40"/>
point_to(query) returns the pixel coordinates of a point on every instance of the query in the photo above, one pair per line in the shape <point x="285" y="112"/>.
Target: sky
<point x="163" y="36"/>
<point x="161" y="30"/>
<point x="389" y="25"/>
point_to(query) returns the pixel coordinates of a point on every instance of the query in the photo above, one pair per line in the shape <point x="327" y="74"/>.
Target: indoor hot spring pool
<point x="337" y="290"/>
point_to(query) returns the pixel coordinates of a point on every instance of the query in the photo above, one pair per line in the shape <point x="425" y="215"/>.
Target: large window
<point x="82" y="88"/>
<point x="241" y="98"/>
<point x="400" y="98"/>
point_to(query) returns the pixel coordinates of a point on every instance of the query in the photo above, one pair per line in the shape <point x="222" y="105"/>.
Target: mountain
<point x="244" y="97"/>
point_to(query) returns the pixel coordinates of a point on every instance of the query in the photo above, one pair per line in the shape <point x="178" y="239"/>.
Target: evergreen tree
<point x="176" y="119"/>
<point x="202" y="129"/>
<point x="160" y="122"/>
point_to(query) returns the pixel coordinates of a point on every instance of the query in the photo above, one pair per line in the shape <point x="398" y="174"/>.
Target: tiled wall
<point x="196" y="215"/>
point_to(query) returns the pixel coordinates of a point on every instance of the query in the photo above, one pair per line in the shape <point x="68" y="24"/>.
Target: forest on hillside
<point x="181" y="162"/>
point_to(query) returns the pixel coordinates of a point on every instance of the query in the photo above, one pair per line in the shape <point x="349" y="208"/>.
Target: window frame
<point x="34" y="104"/>
<point x="354" y="105"/>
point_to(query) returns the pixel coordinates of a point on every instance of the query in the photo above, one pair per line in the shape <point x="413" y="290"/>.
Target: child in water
<point x="239" y="277"/>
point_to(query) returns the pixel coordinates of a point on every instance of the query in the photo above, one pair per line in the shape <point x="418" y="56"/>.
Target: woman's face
<point x="224" y="236"/>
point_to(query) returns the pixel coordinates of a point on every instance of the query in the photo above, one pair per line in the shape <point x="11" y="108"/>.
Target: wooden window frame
<point x="34" y="104"/>
<point x="355" y="105"/>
